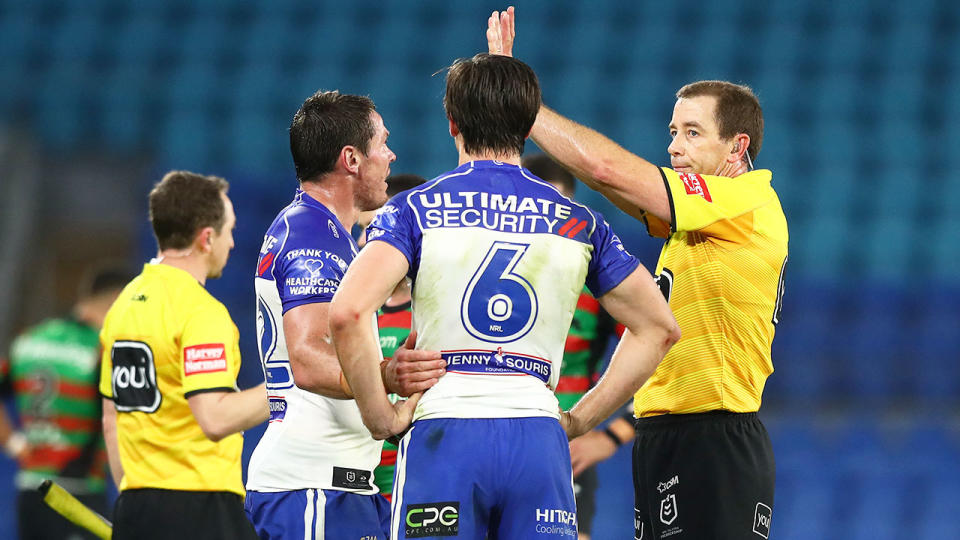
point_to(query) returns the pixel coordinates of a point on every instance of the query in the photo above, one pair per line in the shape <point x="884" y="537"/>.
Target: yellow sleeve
<point x="209" y="351"/>
<point x="699" y="201"/>
<point x="106" y="365"/>
<point x="656" y="227"/>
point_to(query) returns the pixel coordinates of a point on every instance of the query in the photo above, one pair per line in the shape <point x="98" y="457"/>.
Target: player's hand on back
<point x="571" y="425"/>
<point x="411" y="370"/>
<point x="500" y="32"/>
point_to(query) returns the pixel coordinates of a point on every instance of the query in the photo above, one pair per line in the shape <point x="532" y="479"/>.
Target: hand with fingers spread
<point x="501" y="32"/>
<point x="411" y="371"/>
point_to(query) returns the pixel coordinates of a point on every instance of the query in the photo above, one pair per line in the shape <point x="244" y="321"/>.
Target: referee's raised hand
<point x="500" y="32"/>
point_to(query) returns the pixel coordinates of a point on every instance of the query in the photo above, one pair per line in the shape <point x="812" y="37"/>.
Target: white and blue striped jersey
<point x="311" y="441"/>
<point x="498" y="259"/>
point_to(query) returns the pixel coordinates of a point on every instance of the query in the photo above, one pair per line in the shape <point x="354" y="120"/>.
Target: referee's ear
<point x="739" y="144"/>
<point x="204" y="241"/>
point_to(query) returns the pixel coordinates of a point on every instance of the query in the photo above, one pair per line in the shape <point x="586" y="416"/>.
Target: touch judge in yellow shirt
<point x="172" y="414"/>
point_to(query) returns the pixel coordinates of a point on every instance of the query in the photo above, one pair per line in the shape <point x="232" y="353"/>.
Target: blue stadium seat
<point x="933" y="373"/>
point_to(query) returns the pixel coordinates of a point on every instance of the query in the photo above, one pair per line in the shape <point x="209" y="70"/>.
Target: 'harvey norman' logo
<point x="206" y="358"/>
<point x="695" y="185"/>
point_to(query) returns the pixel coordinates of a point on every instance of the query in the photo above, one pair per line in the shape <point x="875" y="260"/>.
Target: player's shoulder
<point x="310" y="226"/>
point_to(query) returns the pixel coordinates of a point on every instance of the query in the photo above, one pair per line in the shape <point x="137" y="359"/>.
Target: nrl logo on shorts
<point x="668" y="509"/>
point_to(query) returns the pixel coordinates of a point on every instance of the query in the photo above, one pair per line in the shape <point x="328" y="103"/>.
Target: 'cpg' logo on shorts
<point x="432" y="519"/>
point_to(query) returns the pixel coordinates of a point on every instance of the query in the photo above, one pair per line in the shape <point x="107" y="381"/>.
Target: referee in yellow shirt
<point x="703" y="463"/>
<point x="172" y="413"/>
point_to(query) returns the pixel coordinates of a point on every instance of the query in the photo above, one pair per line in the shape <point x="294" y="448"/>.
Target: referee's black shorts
<point x="163" y="514"/>
<point x="703" y="476"/>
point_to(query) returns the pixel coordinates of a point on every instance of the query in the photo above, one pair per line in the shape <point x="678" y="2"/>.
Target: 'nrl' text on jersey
<point x="304" y="256"/>
<point x="498" y="259"/>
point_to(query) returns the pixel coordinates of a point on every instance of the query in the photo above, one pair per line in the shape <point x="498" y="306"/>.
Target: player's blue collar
<point x="486" y="164"/>
<point x="304" y="198"/>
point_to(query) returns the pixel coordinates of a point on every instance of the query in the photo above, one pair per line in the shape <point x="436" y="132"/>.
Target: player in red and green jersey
<point x="590" y="331"/>
<point x="394" y="321"/>
<point x="52" y="373"/>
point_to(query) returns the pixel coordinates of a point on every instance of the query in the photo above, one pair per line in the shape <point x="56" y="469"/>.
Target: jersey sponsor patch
<point x="432" y="519"/>
<point x="695" y="185"/>
<point x="761" y="520"/>
<point x="497" y="362"/>
<point x="134" y="377"/>
<point x="278" y="408"/>
<point x="206" y="358"/>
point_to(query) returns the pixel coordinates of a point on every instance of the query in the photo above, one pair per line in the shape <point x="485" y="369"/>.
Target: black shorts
<point x="585" y="489"/>
<point x="148" y="514"/>
<point x="708" y="475"/>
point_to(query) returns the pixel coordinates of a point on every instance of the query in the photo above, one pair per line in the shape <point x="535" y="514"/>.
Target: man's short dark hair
<point x="493" y="100"/>
<point x="549" y="170"/>
<point x="182" y="204"/>
<point x="324" y="124"/>
<point x="738" y="110"/>
<point x="398" y="183"/>
<point x="103" y="278"/>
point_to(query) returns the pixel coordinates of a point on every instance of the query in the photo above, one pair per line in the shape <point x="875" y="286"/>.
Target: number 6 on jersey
<point x="499" y="306"/>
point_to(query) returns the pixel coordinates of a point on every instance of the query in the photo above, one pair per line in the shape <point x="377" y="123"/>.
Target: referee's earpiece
<point x="736" y="148"/>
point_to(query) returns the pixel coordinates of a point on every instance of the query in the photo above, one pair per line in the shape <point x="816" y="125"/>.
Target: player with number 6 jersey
<point x="498" y="259"/>
<point x="703" y="462"/>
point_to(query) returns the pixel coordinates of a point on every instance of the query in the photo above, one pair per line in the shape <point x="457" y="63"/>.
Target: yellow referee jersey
<point x="165" y="339"/>
<point x="721" y="271"/>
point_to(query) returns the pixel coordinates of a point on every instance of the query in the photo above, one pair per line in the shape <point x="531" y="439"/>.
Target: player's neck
<point x="187" y="260"/>
<point x="513" y="159"/>
<point x="336" y="193"/>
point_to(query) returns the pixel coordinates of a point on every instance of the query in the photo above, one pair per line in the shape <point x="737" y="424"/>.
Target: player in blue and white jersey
<point x="311" y="475"/>
<point x="498" y="259"/>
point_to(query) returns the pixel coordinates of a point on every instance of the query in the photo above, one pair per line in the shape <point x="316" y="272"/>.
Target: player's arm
<point x="109" y="421"/>
<point x="313" y="359"/>
<point x="369" y="280"/>
<point x="316" y="368"/>
<point x="632" y="183"/>
<point x="650" y="332"/>
<point x="222" y="413"/>
<point x="595" y="446"/>
<point x="13" y="442"/>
